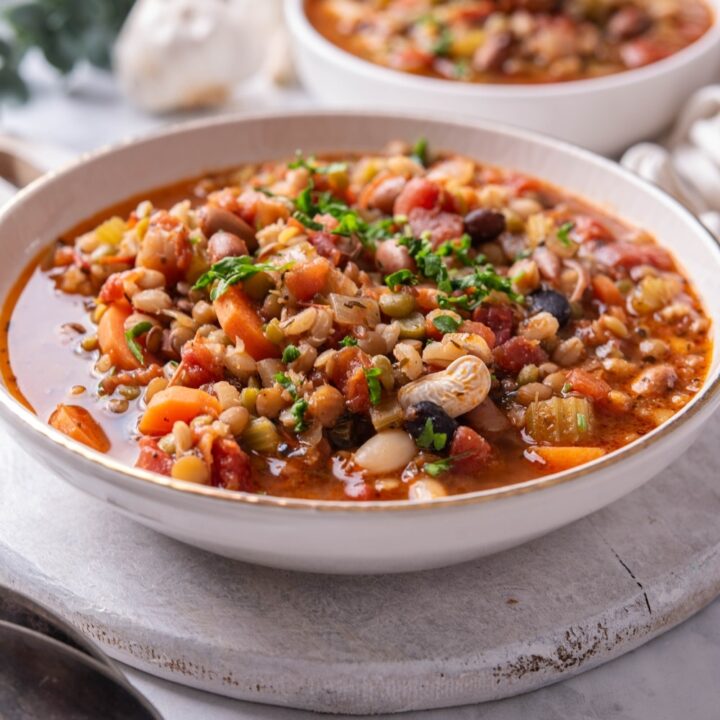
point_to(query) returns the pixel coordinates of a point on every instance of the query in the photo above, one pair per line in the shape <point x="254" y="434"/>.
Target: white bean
<point x="385" y="452"/>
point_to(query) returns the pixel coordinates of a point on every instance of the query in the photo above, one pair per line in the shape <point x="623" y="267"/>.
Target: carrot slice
<point x="176" y="403"/>
<point x="564" y="458"/>
<point x="76" y="422"/>
<point x="111" y="338"/>
<point x="239" y="319"/>
<point x="308" y="279"/>
<point x="606" y="291"/>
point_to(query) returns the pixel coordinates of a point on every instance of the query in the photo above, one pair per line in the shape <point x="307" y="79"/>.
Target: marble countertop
<point x="675" y="676"/>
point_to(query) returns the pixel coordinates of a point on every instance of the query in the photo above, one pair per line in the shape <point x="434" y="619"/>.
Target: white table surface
<point x="676" y="676"/>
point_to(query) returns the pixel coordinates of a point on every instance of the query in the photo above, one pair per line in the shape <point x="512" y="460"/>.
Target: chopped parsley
<point x="283" y="379"/>
<point x="419" y="152"/>
<point x="582" y="422"/>
<point x="441" y="466"/>
<point x="442" y="46"/>
<point x="298" y="410"/>
<point x="563" y="233"/>
<point x="446" y="323"/>
<point x="232" y="270"/>
<point x="428" y="438"/>
<point x="131" y="336"/>
<point x="460" y="249"/>
<point x="401" y="277"/>
<point x="371" y="375"/>
<point x="566" y="388"/>
<point x="290" y="354"/>
<point x="349" y="341"/>
<point x="310" y="164"/>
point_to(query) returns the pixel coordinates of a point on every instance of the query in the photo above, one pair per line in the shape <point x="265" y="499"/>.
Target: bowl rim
<point x="706" y="396"/>
<point x="301" y="27"/>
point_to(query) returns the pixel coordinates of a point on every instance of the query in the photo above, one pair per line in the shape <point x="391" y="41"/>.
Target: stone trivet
<point x="479" y="631"/>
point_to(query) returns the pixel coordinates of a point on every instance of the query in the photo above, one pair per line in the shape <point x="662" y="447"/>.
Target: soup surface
<point x="511" y="41"/>
<point x="383" y="326"/>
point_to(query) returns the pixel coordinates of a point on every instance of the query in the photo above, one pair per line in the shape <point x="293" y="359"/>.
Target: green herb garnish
<point x="428" y="438"/>
<point x="232" y="270"/>
<point x="401" y="277"/>
<point x="298" y="410"/>
<point x="283" y="379"/>
<point x="443" y="44"/>
<point x="460" y="249"/>
<point x="419" y="151"/>
<point x="446" y="323"/>
<point x="371" y="375"/>
<point x="582" y="422"/>
<point x="349" y="341"/>
<point x="310" y="164"/>
<point x="290" y="354"/>
<point x="132" y="334"/>
<point x="441" y="466"/>
<point x="563" y="233"/>
<point x="566" y="388"/>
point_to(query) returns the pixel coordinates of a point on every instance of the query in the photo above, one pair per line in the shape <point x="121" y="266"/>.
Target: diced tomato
<point x="630" y="254"/>
<point x="347" y="375"/>
<point x="411" y="59"/>
<point x="470" y="450"/>
<point x="478" y="328"/>
<point x="499" y="318"/>
<point x="112" y="289"/>
<point x="517" y="352"/>
<point x="589" y="385"/>
<point x="307" y="280"/>
<point x="587" y="228"/>
<point x="199" y="365"/>
<point x="152" y="458"/>
<point x="418" y="193"/>
<point x="606" y="291"/>
<point x="231" y="467"/>
<point x="442" y="226"/>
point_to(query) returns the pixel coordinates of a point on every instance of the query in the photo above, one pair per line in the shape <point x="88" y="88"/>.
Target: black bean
<point x="484" y="225"/>
<point x="553" y="302"/>
<point x="350" y="431"/>
<point x="416" y="418"/>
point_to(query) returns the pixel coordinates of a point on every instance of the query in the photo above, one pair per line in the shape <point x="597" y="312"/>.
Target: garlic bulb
<point x="181" y="54"/>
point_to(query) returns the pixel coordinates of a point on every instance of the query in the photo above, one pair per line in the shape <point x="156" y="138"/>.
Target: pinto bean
<point x="214" y="219"/>
<point x="226" y="244"/>
<point x="383" y="196"/>
<point x="391" y="257"/>
<point x="628" y="22"/>
<point x="654" y="381"/>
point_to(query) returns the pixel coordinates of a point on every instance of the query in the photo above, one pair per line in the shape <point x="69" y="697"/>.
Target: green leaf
<point x="446" y="323"/>
<point x="419" y="151"/>
<point x="290" y="354"/>
<point x="348" y="341"/>
<point x="298" y="410"/>
<point x="132" y="334"/>
<point x="428" y="438"/>
<point x="232" y="270"/>
<point x="371" y="375"/>
<point x="563" y="233"/>
<point x="441" y="466"/>
<point x="401" y="277"/>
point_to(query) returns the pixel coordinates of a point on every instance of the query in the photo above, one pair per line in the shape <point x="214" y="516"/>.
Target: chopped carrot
<point x="112" y="341"/>
<point x="307" y="280"/>
<point x="176" y="403"/>
<point x="564" y="458"/>
<point x="239" y="319"/>
<point x="587" y="384"/>
<point x="606" y="291"/>
<point x="76" y="422"/>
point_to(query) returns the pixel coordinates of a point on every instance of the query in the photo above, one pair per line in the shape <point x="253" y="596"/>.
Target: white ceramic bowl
<point x="605" y="114"/>
<point x="350" y="537"/>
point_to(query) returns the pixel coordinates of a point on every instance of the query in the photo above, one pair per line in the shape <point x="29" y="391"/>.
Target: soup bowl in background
<point x="605" y="114"/>
<point x="349" y="536"/>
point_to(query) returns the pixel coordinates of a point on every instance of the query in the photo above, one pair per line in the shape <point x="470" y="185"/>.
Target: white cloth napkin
<point x="687" y="164"/>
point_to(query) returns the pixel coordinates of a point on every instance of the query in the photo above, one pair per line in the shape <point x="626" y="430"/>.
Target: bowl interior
<point x="47" y="208"/>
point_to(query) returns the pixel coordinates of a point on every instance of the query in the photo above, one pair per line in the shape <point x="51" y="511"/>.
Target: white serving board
<point x="479" y="631"/>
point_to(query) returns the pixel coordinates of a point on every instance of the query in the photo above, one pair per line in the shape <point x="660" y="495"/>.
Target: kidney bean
<point x="214" y="219"/>
<point x="225" y="244"/>
<point x="484" y="225"/>
<point x="391" y="257"/>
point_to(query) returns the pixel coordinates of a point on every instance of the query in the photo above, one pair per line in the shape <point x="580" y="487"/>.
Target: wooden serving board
<point x="479" y="631"/>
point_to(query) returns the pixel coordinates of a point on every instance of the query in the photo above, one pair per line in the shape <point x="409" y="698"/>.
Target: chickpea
<point x="326" y="405"/>
<point x="269" y="402"/>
